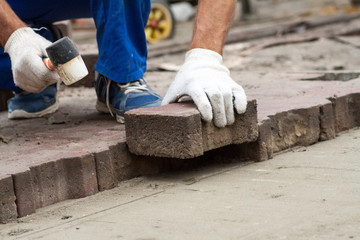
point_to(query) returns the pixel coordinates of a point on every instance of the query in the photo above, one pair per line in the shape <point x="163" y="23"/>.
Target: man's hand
<point x="203" y="77"/>
<point x="26" y="50"/>
<point x="207" y="81"/>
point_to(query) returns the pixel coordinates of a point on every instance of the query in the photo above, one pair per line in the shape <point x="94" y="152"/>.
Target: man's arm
<point x="203" y="76"/>
<point x="9" y="22"/>
<point x="213" y="20"/>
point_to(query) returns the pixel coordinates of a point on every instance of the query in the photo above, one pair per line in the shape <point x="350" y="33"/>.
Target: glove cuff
<point x="203" y="55"/>
<point x="21" y="34"/>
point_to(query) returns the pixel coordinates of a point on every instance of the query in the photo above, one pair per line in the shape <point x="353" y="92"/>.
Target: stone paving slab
<point x="7" y="198"/>
<point x="176" y="131"/>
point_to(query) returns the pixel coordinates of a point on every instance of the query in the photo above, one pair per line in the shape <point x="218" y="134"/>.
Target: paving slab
<point x="7" y="198"/>
<point x="176" y="131"/>
<point x="51" y="159"/>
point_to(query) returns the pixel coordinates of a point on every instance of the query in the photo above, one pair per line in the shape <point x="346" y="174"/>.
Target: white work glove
<point x="26" y="50"/>
<point x="207" y="81"/>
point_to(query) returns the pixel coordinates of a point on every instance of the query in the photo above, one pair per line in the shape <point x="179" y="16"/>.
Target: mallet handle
<point x="48" y="64"/>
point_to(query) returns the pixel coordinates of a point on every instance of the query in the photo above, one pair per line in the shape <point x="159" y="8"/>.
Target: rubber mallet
<point x="65" y="59"/>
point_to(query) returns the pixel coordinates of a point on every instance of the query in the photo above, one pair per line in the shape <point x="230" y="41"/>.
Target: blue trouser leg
<point x="120" y="24"/>
<point x="121" y="38"/>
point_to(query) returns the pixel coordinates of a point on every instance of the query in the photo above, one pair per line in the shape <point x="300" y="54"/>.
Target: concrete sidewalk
<point x="305" y="193"/>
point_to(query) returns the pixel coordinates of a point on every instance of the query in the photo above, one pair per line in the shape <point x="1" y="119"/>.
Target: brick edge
<point x="87" y="175"/>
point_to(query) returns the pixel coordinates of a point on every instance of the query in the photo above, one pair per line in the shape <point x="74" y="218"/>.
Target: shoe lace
<point x="133" y="87"/>
<point x="130" y="87"/>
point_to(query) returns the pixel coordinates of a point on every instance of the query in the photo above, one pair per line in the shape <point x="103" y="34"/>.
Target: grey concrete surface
<point x="305" y="193"/>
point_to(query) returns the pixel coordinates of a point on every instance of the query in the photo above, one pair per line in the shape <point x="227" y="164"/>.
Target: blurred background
<point x="172" y="20"/>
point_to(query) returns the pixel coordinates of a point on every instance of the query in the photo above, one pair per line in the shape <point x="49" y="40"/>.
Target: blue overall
<point x="120" y="33"/>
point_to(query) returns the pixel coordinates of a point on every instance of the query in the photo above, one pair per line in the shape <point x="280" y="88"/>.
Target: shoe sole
<point x="102" y="107"/>
<point x="21" y="114"/>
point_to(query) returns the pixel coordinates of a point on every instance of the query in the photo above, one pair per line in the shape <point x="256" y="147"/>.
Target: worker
<point x="119" y="82"/>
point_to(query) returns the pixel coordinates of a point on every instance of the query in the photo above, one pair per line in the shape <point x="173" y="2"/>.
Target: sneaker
<point x="33" y="105"/>
<point x="119" y="98"/>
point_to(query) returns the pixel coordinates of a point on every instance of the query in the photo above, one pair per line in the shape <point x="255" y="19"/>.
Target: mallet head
<point x="67" y="61"/>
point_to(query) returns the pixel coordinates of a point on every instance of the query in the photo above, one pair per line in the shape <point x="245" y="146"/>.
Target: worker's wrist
<point x="19" y="34"/>
<point x="9" y="28"/>
<point x="213" y="46"/>
<point x="203" y="39"/>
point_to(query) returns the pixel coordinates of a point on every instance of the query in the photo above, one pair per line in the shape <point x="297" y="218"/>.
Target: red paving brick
<point x="7" y="198"/>
<point x="176" y="131"/>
